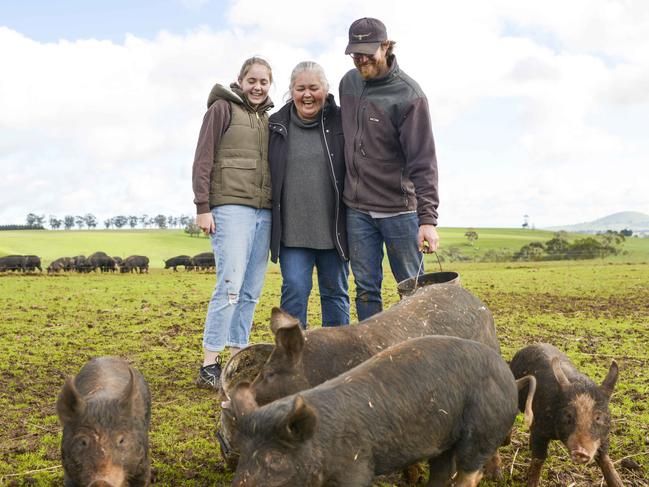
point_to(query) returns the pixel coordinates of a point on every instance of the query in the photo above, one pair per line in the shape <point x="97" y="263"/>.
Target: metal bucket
<point x="244" y="366"/>
<point x="409" y="286"/>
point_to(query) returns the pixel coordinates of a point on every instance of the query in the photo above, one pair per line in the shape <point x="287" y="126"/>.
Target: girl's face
<point x="255" y="84"/>
<point x="308" y="95"/>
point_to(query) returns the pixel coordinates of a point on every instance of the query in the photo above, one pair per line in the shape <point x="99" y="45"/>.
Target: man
<point x="391" y="169"/>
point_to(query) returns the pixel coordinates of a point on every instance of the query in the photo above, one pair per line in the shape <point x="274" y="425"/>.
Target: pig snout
<point x="113" y="477"/>
<point x="580" y="455"/>
<point x="582" y="450"/>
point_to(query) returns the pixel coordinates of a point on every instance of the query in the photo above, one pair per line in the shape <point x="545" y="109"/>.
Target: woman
<point x="308" y="169"/>
<point x="231" y="181"/>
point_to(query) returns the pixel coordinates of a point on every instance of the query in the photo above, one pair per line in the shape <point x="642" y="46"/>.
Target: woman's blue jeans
<point x="366" y="236"/>
<point x="240" y="243"/>
<point x="296" y="264"/>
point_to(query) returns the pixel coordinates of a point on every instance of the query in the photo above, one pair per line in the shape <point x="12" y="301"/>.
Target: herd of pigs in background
<point x="423" y="380"/>
<point x="104" y="263"/>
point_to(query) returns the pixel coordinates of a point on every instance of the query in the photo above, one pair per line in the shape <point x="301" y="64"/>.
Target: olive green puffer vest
<point x="240" y="175"/>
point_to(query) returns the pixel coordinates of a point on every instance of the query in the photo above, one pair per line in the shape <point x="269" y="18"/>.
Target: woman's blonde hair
<point x="247" y="64"/>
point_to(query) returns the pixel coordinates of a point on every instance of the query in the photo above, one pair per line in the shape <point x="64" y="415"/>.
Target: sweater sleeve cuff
<point x="202" y="208"/>
<point x="427" y="220"/>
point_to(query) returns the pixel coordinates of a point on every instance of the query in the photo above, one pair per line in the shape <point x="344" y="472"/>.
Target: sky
<point x="538" y="108"/>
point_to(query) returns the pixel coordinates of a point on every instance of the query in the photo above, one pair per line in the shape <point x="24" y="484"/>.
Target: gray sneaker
<point x="210" y="376"/>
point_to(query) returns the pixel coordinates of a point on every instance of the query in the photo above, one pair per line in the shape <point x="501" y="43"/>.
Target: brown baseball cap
<point x="366" y="35"/>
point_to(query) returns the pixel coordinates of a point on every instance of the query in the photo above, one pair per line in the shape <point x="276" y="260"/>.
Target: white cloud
<point x="108" y="128"/>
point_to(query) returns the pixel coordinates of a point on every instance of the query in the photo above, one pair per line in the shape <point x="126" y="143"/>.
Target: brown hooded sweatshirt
<point x="231" y="160"/>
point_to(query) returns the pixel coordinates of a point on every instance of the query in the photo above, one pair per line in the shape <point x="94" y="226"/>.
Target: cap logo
<point x="360" y="37"/>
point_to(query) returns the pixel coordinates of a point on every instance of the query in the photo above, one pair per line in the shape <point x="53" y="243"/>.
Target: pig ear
<point x="132" y="399"/>
<point x="301" y="422"/>
<point x="281" y="319"/>
<point x="70" y="404"/>
<point x="559" y="373"/>
<point x="242" y="400"/>
<point x="288" y="334"/>
<point x="611" y="378"/>
<point x="291" y="341"/>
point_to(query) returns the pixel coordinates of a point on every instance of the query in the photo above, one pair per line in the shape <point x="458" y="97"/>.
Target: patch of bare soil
<point x="621" y="306"/>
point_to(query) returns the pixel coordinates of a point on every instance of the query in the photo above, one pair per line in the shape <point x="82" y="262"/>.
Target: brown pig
<point x="449" y="400"/>
<point x="105" y="411"/>
<point x="302" y="360"/>
<point x="567" y="406"/>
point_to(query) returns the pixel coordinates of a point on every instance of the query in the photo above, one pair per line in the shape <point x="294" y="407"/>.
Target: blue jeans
<point x="296" y="264"/>
<point x="240" y="245"/>
<point x="366" y="236"/>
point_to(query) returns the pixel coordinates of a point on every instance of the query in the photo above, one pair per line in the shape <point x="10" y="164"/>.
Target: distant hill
<point x="633" y="220"/>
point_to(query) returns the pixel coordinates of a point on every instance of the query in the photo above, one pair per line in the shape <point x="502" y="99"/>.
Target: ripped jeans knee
<point x="233" y="298"/>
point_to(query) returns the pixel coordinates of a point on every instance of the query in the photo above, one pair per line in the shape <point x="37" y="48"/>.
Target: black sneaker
<point x="210" y="376"/>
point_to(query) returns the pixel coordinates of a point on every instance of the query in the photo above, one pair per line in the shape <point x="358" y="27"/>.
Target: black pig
<point x="105" y="411"/>
<point x="12" y="263"/>
<point x="449" y="400"/>
<point x="174" y="262"/>
<point x="101" y="260"/>
<point x="135" y="263"/>
<point x="567" y="406"/>
<point x="203" y="261"/>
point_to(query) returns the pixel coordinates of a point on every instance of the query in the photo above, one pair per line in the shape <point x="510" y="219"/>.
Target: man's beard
<point x="372" y="69"/>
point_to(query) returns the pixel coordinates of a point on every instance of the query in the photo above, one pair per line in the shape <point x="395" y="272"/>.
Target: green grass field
<point x="160" y="245"/>
<point x="51" y="325"/>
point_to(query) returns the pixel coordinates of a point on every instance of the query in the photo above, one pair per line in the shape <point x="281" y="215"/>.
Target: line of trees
<point x="90" y="221"/>
<point x="560" y="248"/>
<point x="557" y="248"/>
<point x="21" y="227"/>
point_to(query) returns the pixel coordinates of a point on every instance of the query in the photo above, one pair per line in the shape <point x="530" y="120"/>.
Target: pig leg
<point x="441" y="468"/>
<point x="539" y="447"/>
<point x="492" y="468"/>
<point x="468" y="479"/>
<point x="413" y="474"/>
<point x="608" y="469"/>
<point x="479" y="442"/>
<point x="534" y="474"/>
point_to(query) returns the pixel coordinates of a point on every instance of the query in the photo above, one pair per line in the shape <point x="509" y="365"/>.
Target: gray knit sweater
<point x="307" y="194"/>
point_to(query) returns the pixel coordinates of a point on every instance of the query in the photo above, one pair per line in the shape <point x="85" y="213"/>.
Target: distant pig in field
<point x="184" y="260"/>
<point x="567" y="406"/>
<point x="12" y="263"/>
<point x="135" y="263"/>
<point x="33" y="262"/>
<point x="449" y="400"/>
<point x="105" y="411"/>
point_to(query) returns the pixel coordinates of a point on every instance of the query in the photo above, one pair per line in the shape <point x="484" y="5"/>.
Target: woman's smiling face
<point x="255" y="84"/>
<point x="308" y="95"/>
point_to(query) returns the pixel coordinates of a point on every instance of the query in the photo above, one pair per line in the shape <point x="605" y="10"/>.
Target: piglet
<point x="105" y="412"/>
<point x="567" y="406"/>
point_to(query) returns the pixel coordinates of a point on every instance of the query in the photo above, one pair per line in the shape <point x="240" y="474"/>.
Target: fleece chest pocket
<point x="238" y="177"/>
<point x="378" y="135"/>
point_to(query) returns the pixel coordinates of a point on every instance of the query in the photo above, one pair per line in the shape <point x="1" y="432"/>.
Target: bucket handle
<point x="421" y="266"/>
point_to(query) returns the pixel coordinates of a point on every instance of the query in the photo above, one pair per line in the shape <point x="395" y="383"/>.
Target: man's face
<point x="372" y="66"/>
